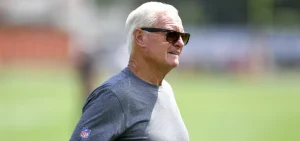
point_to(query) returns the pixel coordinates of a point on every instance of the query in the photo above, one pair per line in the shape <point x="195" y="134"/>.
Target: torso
<point x="152" y="112"/>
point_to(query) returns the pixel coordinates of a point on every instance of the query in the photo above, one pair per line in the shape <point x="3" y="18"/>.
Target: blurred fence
<point x="32" y="44"/>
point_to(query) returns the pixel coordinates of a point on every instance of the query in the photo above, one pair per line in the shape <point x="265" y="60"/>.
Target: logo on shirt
<point x="85" y="132"/>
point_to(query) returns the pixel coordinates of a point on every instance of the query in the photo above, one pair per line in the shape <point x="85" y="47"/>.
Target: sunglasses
<point x="171" y="36"/>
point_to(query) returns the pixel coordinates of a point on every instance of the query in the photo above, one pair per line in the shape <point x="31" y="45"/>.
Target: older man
<point x="137" y="104"/>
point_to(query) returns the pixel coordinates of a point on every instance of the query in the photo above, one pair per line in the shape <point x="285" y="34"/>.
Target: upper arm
<point x="103" y="116"/>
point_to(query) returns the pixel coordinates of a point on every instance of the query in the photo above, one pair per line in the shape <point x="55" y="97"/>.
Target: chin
<point x="174" y="64"/>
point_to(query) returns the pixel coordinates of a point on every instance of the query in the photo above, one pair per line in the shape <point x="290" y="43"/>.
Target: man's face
<point x="159" y="50"/>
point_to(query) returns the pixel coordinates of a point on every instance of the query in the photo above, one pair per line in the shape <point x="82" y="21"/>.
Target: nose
<point x="179" y="43"/>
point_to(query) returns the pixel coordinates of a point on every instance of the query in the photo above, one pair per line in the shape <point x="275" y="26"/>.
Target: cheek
<point x="161" y="51"/>
<point x="158" y="48"/>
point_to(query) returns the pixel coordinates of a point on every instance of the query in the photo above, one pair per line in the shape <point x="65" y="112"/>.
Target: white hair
<point x="145" y="15"/>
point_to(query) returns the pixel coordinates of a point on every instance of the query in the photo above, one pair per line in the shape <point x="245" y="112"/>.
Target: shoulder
<point x="105" y="93"/>
<point x="102" y="98"/>
<point x="167" y="86"/>
<point x="112" y="89"/>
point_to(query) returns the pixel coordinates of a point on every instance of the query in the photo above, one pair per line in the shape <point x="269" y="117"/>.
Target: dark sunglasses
<point x="172" y="36"/>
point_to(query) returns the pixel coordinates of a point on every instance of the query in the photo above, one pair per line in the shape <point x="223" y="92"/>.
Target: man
<point x="93" y="27"/>
<point x="137" y="104"/>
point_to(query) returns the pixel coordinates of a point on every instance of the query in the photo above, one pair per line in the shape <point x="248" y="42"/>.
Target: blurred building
<point x="227" y="35"/>
<point x="32" y="31"/>
<point x="48" y="30"/>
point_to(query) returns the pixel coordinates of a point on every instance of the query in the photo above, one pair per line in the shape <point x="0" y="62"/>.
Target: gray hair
<point x="145" y="15"/>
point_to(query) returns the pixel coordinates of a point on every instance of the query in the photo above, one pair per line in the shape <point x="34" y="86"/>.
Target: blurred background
<point x="238" y="79"/>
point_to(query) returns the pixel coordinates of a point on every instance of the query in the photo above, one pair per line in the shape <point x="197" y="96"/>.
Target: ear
<point x="139" y="37"/>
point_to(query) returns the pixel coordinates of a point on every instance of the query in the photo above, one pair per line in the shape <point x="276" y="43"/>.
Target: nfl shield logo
<point x="85" y="132"/>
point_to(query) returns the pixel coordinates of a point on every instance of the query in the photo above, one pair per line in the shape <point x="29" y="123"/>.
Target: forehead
<point x="169" y="21"/>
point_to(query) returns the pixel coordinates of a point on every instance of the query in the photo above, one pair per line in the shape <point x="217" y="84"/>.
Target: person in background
<point x="94" y="27"/>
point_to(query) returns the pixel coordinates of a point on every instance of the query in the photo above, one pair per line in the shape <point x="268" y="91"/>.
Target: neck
<point x="146" y="71"/>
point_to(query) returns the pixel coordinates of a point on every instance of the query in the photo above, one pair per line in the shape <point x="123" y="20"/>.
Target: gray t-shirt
<point x="126" y="108"/>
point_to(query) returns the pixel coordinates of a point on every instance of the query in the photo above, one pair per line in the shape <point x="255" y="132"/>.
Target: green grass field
<point x="44" y="105"/>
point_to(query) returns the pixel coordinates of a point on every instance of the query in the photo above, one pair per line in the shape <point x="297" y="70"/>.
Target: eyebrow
<point x="175" y="28"/>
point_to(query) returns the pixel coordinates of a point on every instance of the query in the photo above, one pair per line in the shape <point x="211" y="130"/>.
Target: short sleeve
<point x="102" y="119"/>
